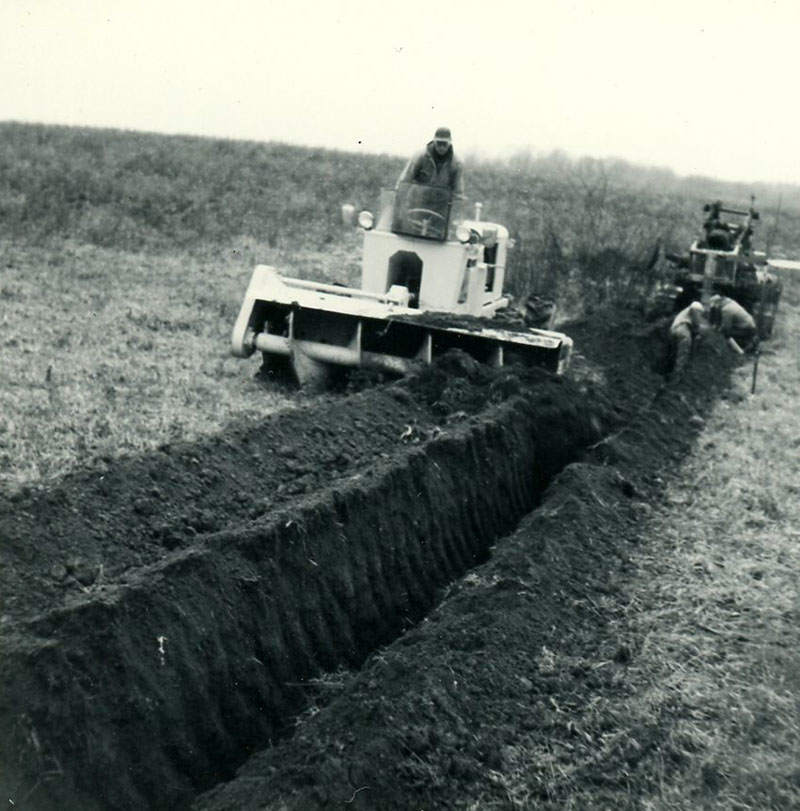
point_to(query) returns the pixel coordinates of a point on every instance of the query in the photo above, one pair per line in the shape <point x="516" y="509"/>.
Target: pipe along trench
<point x="146" y="695"/>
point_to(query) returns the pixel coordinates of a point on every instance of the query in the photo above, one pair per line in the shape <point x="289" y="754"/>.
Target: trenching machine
<point x="428" y="285"/>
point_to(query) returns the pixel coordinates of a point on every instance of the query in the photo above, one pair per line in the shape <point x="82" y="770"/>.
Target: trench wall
<point x="143" y="693"/>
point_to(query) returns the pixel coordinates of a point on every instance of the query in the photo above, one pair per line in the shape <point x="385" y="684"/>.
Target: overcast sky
<point x="699" y="86"/>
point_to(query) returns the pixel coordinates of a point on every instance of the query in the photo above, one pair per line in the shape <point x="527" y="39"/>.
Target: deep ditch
<point x="139" y="695"/>
<point x="145" y="689"/>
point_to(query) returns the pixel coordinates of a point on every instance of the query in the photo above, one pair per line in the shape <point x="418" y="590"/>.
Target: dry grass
<point x="107" y="353"/>
<point x="718" y="611"/>
<point x="706" y="714"/>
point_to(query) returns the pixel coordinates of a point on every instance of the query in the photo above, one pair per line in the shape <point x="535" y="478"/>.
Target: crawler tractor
<point x="722" y="260"/>
<point x="427" y="285"/>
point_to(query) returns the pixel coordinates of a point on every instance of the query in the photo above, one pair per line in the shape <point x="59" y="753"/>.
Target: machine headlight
<point x="463" y="233"/>
<point x="366" y="220"/>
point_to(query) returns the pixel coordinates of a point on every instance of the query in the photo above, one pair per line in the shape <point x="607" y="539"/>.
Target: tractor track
<point x="236" y="570"/>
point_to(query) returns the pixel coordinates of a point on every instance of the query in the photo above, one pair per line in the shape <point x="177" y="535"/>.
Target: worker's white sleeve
<point x="458" y="184"/>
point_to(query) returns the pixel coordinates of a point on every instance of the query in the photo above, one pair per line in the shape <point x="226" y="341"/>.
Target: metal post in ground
<point x="755" y="371"/>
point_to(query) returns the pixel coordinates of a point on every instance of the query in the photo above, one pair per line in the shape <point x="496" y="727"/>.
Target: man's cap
<point x="696" y="305"/>
<point x="442" y="134"/>
<point x="715" y="301"/>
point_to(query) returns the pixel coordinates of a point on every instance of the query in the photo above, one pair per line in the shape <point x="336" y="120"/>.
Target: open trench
<point x="149" y="692"/>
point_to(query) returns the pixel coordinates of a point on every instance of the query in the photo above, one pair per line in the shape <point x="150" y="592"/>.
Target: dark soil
<point x="136" y="594"/>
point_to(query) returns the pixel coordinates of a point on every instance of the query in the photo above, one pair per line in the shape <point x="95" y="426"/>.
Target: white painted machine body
<point x="414" y="263"/>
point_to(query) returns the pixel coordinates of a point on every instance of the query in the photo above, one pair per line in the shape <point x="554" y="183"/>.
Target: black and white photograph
<point x="398" y="406"/>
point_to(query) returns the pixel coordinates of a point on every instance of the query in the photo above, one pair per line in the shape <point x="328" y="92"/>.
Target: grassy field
<point x="709" y="706"/>
<point x="718" y="602"/>
<point x="580" y="226"/>
<point x="124" y="258"/>
<point x="107" y="352"/>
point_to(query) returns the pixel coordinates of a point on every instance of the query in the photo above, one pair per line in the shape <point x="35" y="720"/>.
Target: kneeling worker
<point x="685" y="327"/>
<point x="733" y="321"/>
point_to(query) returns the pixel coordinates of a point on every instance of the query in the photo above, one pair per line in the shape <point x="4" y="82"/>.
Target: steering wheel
<point x="424" y="219"/>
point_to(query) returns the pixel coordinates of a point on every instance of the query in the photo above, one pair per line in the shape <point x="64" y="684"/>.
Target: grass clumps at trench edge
<point x="706" y="713"/>
<point x="718" y="616"/>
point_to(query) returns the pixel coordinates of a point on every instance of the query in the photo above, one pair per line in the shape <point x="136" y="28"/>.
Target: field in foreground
<point x="716" y="604"/>
<point x="554" y="671"/>
<point x="632" y="645"/>
<point x="108" y="353"/>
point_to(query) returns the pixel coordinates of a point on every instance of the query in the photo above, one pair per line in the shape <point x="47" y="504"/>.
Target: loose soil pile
<point x="167" y="616"/>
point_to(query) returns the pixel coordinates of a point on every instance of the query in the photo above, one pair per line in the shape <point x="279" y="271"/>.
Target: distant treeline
<point x="147" y="192"/>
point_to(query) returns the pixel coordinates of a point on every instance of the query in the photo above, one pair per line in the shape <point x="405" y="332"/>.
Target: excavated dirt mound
<point x="94" y="526"/>
<point x="166" y="617"/>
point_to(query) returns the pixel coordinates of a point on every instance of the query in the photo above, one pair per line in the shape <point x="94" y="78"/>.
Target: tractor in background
<point x="722" y="260"/>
